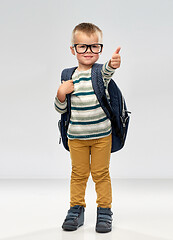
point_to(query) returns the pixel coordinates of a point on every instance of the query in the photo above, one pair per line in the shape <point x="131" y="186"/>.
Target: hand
<point x="65" y="88"/>
<point x="116" y="59"/>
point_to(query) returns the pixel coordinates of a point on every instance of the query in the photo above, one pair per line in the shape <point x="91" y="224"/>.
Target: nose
<point x="88" y="49"/>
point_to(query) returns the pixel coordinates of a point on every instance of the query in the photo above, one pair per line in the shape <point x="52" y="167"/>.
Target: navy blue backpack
<point x="115" y="109"/>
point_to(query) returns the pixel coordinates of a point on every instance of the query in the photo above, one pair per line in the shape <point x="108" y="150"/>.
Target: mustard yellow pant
<point x="100" y="151"/>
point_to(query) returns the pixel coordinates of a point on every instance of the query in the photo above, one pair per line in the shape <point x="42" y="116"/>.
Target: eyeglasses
<point x="82" y="48"/>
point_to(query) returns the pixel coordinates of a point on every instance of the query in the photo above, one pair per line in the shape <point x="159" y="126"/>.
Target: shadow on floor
<point x="84" y="233"/>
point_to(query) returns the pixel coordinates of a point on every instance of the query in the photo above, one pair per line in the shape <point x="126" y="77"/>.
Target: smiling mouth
<point x="88" y="56"/>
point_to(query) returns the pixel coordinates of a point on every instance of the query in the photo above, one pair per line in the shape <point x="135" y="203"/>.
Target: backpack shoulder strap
<point x="97" y="76"/>
<point x="98" y="85"/>
<point x="67" y="73"/>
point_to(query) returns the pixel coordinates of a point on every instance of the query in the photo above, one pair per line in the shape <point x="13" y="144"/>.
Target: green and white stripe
<point x="88" y="120"/>
<point x="59" y="106"/>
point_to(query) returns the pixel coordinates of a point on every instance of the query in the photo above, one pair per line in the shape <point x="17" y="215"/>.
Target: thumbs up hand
<point x="116" y="59"/>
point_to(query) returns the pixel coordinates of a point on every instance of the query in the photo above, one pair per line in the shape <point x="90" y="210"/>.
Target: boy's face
<point x="87" y="59"/>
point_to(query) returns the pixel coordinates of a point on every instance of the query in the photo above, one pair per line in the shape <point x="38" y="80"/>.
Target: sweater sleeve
<point x="107" y="73"/>
<point x="60" y="107"/>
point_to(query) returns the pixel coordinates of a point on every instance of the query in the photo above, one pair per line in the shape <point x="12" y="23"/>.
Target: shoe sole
<point x="71" y="228"/>
<point x="103" y="230"/>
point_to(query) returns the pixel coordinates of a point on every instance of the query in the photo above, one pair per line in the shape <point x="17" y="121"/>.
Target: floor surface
<point x="35" y="209"/>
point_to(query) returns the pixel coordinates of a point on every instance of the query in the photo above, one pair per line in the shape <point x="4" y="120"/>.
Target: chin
<point x="91" y="62"/>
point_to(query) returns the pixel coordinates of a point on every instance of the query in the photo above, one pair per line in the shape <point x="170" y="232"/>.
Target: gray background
<point x="34" y="48"/>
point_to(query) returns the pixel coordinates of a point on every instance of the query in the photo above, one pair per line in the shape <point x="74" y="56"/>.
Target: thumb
<point x="118" y="50"/>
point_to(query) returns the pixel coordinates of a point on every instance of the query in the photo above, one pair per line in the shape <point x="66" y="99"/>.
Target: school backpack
<point x="115" y="109"/>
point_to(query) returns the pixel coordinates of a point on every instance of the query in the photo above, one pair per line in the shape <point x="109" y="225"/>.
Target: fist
<point x="116" y="59"/>
<point x="67" y="86"/>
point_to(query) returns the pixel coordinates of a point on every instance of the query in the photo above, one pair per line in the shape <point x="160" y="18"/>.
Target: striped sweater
<point x="88" y="120"/>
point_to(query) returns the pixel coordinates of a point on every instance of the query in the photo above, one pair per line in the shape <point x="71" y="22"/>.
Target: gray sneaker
<point x="74" y="218"/>
<point x="104" y="220"/>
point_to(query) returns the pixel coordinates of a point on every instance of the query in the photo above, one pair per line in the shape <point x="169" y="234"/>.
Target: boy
<point x="89" y="130"/>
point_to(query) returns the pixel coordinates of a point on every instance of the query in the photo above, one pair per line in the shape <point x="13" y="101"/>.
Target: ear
<point x="72" y="50"/>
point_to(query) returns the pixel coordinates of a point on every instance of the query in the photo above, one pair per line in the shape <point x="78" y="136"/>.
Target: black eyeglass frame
<point x="88" y="46"/>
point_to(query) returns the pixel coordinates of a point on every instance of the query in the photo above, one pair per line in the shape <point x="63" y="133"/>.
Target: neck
<point x="84" y="67"/>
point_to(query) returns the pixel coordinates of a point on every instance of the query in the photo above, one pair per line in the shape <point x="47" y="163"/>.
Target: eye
<point x="81" y="46"/>
<point x="95" y="46"/>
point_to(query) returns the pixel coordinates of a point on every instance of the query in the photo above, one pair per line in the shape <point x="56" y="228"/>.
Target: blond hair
<point x="87" y="28"/>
